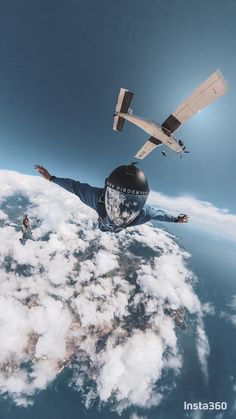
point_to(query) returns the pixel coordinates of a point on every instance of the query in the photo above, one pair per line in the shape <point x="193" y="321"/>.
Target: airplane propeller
<point x="183" y="152"/>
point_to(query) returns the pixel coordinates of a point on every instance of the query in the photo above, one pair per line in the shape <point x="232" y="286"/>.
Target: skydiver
<point x="26" y="221"/>
<point x="26" y="229"/>
<point x="121" y="203"/>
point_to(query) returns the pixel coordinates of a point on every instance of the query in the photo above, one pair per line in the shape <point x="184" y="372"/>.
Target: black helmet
<point x="126" y="193"/>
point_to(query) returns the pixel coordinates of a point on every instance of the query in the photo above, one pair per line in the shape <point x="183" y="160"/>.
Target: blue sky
<point x="62" y="64"/>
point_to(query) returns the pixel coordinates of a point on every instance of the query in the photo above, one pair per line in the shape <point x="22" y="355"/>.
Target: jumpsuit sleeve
<point x="160" y="215"/>
<point x="86" y="193"/>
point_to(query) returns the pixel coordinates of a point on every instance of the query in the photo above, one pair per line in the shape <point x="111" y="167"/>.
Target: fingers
<point x="183" y="218"/>
<point x="40" y="169"/>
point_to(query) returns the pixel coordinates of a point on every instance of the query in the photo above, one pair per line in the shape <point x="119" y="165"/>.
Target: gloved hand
<point x="182" y="218"/>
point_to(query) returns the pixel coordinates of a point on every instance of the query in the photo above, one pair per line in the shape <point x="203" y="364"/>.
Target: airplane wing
<point x="148" y="147"/>
<point x="212" y="88"/>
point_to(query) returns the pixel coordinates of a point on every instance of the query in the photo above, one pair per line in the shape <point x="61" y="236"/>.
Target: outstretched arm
<point x="87" y="194"/>
<point x="70" y="185"/>
<point x="160" y="215"/>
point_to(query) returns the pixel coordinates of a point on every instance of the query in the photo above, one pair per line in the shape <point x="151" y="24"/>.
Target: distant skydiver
<point x="26" y="221"/>
<point x="26" y="229"/>
<point x="121" y="203"/>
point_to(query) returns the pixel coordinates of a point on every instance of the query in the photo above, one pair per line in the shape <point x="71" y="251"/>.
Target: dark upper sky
<point x="62" y="64"/>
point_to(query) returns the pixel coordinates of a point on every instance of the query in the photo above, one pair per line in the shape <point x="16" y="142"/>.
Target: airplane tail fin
<point x="122" y="106"/>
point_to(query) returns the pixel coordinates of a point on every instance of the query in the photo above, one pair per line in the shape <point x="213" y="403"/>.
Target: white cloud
<point x="220" y="415"/>
<point x="105" y="262"/>
<point x="127" y="371"/>
<point x="76" y="293"/>
<point x="232" y="304"/>
<point x="197" y="415"/>
<point x="208" y="309"/>
<point x="202" y="213"/>
<point x="136" y="416"/>
<point x="203" y="349"/>
<point x="3" y="216"/>
<point x="231" y="317"/>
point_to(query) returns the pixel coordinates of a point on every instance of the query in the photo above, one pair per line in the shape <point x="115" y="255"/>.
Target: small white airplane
<point x="212" y="88"/>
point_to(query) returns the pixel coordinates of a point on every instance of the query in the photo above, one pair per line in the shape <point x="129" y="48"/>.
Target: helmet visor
<point x="123" y="208"/>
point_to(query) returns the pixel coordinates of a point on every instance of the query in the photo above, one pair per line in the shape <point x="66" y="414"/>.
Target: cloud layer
<point x="202" y="213"/>
<point x="96" y="300"/>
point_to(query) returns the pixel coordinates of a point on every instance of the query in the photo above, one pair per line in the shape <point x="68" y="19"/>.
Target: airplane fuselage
<point x="154" y="130"/>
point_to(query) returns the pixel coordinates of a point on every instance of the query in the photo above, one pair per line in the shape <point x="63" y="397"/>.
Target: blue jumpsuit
<point x="94" y="198"/>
